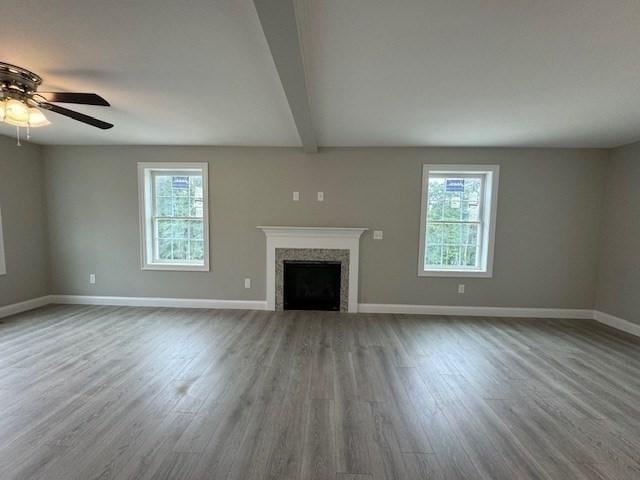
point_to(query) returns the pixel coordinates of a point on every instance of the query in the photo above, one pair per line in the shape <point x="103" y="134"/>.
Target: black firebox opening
<point x="311" y="285"/>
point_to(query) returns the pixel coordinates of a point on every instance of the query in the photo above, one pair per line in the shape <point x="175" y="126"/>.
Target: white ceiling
<point x="194" y="72"/>
<point x="461" y="73"/>
<point x="407" y="72"/>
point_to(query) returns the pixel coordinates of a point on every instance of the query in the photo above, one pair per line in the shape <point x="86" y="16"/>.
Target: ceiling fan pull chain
<point x="18" y="135"/>
<point x="28" y="132"/>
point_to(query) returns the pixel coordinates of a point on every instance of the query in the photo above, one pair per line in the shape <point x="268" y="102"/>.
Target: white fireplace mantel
<point x="343" y="238"/>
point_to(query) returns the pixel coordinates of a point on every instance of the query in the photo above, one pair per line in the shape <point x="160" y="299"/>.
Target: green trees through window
<point x="178" y="217"/>
<point x="454" y="221"/>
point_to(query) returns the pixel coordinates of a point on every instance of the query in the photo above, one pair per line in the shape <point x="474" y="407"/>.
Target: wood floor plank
<point x="319" y="460"/>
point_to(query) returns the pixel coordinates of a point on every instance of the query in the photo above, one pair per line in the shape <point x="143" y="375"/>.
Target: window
<point x="3" y="267"/>
<point x="174" y="216"/>
<point x="458" y="220"/>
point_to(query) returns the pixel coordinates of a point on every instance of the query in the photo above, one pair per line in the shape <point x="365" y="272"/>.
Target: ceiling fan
<point x="21" y="103"/>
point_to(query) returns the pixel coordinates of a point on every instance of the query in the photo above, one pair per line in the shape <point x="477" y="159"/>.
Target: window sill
<point x="456" y="273"/>
<point x="176" y="267"/>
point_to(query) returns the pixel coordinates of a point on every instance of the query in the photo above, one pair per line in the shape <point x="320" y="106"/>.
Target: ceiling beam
<point x="278" y="20"/>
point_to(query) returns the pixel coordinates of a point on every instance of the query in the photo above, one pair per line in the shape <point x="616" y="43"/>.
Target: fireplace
<point x="313" y="244"/>
<point x="317" y="261"/>
<point x="311" y="285"/>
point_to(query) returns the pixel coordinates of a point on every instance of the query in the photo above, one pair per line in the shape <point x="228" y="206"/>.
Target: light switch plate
<point x="296" y="196"/>
<point x="378" y="235"/>
<point x="321" y="196"/>
<point x="247" y="283"/>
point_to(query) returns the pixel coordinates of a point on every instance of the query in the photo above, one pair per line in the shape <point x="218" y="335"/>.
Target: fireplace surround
<point x="340" y="256"/>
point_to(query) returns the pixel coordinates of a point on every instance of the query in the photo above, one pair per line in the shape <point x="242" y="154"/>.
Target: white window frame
<point x="488" y="213"/>
<point x="3" y="265"/>
<point x="146" y="171"/>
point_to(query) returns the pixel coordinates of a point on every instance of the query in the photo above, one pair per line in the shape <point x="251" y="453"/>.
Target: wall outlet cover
<point x="92" y="278"/>
<point x="296" y="196"/>
<point x="247" y="283"/>
<point x="378" y="235"/>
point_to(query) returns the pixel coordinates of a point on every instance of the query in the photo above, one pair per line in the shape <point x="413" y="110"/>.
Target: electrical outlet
<point x="92" y="278"/>
<point x="247" y="283"/>
<point x="321" y="196"/>
<point x="296" y="196"/>
<point x="378" y="235"/>
<point x="461" y="288"/>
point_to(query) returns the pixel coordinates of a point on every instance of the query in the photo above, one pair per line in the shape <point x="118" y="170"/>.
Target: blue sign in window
<point x="454" y="185"/>
<point x="180" y="182"/>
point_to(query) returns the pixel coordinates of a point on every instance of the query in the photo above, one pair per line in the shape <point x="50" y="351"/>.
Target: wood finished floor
<point x="93" y="393"/>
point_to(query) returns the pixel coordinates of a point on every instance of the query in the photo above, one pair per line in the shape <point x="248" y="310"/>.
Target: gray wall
<point x="547" y="228"/>
<point x="619" y="266"/>
<point x="24" y="222"/>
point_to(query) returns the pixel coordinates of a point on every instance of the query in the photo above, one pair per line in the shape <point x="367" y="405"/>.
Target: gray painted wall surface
<point x="619" y="269"/>
<point x="24" y="222"/>
<point x="547" y="228"/>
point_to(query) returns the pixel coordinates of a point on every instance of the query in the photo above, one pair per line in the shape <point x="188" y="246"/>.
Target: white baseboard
<point x="616" y="322"/>
<point x="476" y="311"/>
<point x="605" y="318"/>
<point x="24" y="306"/>
<point x="159" y="302"/>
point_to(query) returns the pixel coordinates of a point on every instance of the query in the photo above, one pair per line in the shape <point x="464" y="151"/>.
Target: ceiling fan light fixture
<point x="37" y="118"/>
<point x="21" y="104"/>
<point x="16" y="113"/>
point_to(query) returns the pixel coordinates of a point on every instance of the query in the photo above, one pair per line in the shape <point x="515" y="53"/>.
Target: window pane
<point x="197" y="250"/>
<point x="163" y="185"/>
<point x="452" y="198"/>
<point x="470" y="257"/>
<point x="196" y="230"/>
<point x="470" y="234"/>
<point x="196" y="186"/>
<point x="435" y="234"/>
<point x="471" y="199"/>
<point x="164" y="249"/>
<point x="181" y="206"/>
<point x="452" y="233"/>
<point x="456" y="218"/>
<point x="164" y="229"/>
<point x="164" y="207"/>
<point x="176" y="216"/>
<point x="180" y="249"/>
<point x="179" y="195"/>
<point x="451" y="255"/>
<point x="196" y="207"/>
<point x="180" y="229"/>
<point x="436" y="200"/>
<point x="451" y="244"/>
<point x="434" y="255"/>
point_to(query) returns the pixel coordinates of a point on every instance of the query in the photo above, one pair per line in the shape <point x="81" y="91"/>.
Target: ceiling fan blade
<point x="70" y="97"/>
<point x="81" y="117"/>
